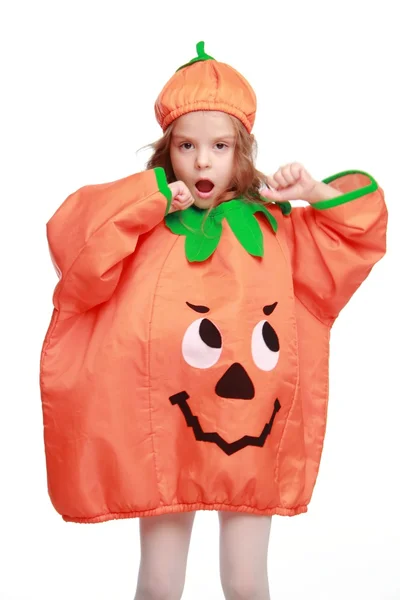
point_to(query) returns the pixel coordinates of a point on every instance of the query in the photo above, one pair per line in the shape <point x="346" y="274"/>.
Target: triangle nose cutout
<point x="235" y="383"/>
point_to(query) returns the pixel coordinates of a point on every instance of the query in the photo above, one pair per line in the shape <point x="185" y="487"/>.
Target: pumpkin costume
<point x="187" y="369"/>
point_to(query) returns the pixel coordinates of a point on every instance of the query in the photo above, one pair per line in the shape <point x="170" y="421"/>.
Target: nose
<point x="235" y="383"/>
<point x="203" y="159"/>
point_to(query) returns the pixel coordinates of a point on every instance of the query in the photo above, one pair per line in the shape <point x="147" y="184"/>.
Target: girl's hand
<point x="290" y="182"/>
<point x="181" y="196"/>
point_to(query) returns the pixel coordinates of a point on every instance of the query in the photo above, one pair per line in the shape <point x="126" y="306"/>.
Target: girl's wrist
<point x="322" y="191"/>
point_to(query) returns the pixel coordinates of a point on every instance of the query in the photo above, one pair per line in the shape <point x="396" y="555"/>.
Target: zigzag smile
<point x="228" y="447"/>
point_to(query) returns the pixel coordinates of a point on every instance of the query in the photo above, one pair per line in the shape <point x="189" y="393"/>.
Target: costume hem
<point x="175" y="508"/>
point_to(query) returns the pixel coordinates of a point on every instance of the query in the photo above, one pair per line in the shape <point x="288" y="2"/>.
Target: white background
<point x="79" y="80"/>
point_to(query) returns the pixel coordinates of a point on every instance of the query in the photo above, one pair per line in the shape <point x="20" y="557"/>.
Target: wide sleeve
<point x="334" y="244"/>
<point x="94" y="229"/>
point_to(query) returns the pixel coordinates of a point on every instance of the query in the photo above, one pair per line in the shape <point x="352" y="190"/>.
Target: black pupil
<point x="210" y="334"/>
<point x="270" y="337"/>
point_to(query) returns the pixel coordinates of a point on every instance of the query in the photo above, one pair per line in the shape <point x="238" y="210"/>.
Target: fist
<point x="181" y="196"/>
<point x="290" y="182"/>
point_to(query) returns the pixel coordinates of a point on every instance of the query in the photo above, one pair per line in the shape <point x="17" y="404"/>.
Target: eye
<point x="186" y="144"/>
<point x="202" y="344"/>
<point x="221" y="144"/>
<point x="265" y="346"/>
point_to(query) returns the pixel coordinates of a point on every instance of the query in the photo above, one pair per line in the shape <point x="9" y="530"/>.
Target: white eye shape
<point x="265" y="346"/>
<point x="202" y="344"/>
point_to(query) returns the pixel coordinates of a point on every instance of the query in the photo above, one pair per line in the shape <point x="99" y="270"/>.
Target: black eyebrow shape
<point x="268" y="310"/>
<point x="199" y="309"/>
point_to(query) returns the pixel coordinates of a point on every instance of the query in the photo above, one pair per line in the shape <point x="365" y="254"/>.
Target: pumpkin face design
<point x="223" y="356"/>
<point x="202" y="348"/>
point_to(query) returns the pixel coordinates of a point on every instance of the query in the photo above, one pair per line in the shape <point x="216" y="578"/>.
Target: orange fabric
<point x="131" y="427"/>
<point x="206" y="85"/>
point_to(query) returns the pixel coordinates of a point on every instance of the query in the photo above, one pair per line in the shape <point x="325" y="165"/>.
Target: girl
<point x="185" y="367"/>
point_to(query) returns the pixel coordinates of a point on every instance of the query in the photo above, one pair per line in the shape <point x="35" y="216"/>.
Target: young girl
<point x="185" y="367"/>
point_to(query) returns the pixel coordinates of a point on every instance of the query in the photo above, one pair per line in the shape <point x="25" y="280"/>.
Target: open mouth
<point x="204" y="188"/>
<point x="228" y="447"/>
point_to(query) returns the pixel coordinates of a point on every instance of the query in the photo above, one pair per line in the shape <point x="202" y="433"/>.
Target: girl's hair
<point x="247" y="181"/>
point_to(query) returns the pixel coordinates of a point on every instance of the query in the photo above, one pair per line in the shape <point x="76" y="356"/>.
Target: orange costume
<point x="187" y="369"/>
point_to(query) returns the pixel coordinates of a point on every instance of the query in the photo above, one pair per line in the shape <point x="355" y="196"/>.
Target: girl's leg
<point x="244" y="539"/>
<point x="164" y="544"/>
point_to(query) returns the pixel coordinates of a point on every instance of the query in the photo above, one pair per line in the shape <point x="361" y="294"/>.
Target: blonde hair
<point x="247" y="180"/>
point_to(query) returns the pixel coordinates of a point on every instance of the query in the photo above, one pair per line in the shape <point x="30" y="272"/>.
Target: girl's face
<point x="202" y="148"/>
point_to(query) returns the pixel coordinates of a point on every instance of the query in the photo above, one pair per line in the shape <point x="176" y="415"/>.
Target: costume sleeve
<point x="335" y="243"/>
<point x="94" y="229"/>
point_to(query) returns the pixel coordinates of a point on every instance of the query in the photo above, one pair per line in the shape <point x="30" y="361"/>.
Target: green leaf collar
<point x="203" y="235"/>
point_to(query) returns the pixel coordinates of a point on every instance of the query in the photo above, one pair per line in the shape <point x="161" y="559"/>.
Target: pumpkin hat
<point x="206" y="84"/>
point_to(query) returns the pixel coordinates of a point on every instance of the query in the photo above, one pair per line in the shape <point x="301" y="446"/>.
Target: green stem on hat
<point x="201" y="55"/>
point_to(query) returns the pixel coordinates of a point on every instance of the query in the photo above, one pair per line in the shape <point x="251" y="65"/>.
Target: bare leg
<point x="244" y="539"/>
<point x="164" y="544"/>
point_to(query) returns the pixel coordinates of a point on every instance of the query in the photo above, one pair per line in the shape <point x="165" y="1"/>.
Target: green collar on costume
<point x="202" y="237"/>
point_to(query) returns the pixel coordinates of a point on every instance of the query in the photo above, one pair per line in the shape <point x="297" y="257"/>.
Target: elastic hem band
<point x="176" y="508"/>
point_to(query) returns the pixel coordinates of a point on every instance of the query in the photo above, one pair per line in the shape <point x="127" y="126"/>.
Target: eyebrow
<point x="199" y="308"/>
<point x="187" y="137"/>
<point x="269" y="309"/>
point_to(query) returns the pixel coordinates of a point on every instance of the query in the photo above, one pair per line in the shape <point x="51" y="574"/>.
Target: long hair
<point x="247" y="180"/>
